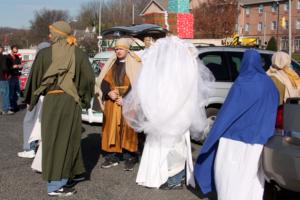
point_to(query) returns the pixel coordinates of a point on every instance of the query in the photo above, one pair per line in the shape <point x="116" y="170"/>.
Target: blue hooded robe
<point x="247" y="115"/>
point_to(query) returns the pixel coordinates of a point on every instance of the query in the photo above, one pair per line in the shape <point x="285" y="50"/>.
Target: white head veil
<point x="172" y="89"/>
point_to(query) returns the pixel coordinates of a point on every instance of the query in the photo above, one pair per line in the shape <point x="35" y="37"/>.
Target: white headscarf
<point x="281" y="70"/>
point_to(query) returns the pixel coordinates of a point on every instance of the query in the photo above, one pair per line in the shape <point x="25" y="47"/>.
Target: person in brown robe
<point x="114" y="82"/>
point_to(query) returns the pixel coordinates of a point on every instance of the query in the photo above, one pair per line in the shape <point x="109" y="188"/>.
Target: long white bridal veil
<point x="171" y="92"/>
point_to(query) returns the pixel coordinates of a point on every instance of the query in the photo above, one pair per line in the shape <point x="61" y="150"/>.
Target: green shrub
<point x="272" y="44"/>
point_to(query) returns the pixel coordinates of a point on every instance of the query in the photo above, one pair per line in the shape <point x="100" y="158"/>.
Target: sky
<point x="18" y="13"/>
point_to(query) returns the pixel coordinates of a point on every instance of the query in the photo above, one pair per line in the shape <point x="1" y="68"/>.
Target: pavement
<point x="18" y="181"/>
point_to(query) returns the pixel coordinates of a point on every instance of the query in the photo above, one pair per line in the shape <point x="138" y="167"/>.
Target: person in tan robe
<point x="113" y="83"/>
<point x="286" y="81"/>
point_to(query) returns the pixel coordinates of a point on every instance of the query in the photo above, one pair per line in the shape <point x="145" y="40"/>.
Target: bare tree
<point x="40" y="24"/>
<point x="215" y="18"/>
<point x="114" y="13"/>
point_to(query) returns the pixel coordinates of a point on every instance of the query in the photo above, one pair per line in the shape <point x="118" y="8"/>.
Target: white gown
<point x="238" y="173"/>
<point x="33" y="119"/>
<point x="160" y="162"/>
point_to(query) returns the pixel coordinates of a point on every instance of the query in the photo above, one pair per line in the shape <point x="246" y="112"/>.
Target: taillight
<point x="279" y="118"/>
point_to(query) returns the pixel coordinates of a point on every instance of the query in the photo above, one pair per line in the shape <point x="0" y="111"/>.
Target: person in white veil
<point x="167" y="104"/>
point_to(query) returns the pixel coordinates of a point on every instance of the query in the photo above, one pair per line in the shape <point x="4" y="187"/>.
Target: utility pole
<point x="290" y="27"/>
<point x="100" y="21"/>
<point x="277" y="36"/>
<point x="132" y="2"/>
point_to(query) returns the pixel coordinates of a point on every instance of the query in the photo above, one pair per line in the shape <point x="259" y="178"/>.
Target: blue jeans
<point x="55" y="185"/>
<point x="176" y="180"/>
<point x="4" y="93"/>
<point x="14" y="90"/>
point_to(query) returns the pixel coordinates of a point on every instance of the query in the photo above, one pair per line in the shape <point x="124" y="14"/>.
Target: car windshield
<point x="97" y="65"/>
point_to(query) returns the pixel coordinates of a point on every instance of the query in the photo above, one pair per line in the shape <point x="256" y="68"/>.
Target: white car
<point x="94" y="114"/>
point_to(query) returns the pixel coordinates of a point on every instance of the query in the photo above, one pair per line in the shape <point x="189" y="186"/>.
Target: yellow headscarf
<point x="281" y="70"/>
<point x="62" y="68"/>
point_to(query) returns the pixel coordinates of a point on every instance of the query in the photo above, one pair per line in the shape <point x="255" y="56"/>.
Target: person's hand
<point x="15" y="66"/>
<point x="113" y="95"/>
<point x="119" y="101"/>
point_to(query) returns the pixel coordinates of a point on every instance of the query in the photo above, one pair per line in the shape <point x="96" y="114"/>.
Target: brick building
<point x="266" y="18"/>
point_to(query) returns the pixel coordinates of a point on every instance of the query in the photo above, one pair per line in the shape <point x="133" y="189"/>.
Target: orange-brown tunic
<point x="116" y="134"/>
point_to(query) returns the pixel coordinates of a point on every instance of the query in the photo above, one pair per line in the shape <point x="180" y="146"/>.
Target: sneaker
<point x="166" y="186"/>
<point x="79" y="177"/>
<point x="109" y="162"/>
<point x="8" y="113"/>
<point x="129" y="164"/>
<point x="62" y="192"/>
<point x="72" y="182"/>
<point x="27" y="154"/>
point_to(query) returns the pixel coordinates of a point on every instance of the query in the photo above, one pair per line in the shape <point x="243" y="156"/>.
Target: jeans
<point x="176" y="180"/>
<point x="14" y="90"/>
<point x="4" y="93"/>
<point x="55" y="185"/>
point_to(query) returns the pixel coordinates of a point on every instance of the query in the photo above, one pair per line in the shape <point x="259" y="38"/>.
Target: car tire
<point x="212" y="113"/>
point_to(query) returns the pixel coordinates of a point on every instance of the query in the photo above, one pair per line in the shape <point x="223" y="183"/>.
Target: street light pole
<point x="132" y="2"/>
<point x="290" y="27"/>
<point x="277" y="36"/>
<point x="100" y="21"/>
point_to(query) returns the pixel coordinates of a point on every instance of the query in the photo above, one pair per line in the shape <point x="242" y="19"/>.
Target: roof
<point x="249" y="2"/>
<point x="140" y="30"/>
<point x="162" y="4"/>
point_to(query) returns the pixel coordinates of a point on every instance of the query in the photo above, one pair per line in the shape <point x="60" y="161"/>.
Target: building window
<point x="247" y="10"/>
<point x="286" y="24"/>
<point x="261" y="8"/>
<point x="286" y="6"/>
<point x="247" y="27"/>
<point x="284" y="44"/>
<point x="297" y="43"/>
<point x="259" y="26"/>
<point x="298" y="24"/>
<point x="273" y="25"/>
<point x="275" y="7"/>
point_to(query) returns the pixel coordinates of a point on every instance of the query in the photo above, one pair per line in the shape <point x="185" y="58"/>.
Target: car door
<point x="215" y="61"/>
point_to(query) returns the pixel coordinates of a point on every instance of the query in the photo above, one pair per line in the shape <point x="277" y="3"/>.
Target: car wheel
<point x="211" y="114"/>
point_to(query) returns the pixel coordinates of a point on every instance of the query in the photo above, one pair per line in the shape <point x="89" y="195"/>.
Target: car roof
<point x="230" y="49"/>
<point x="104" y="55"/>
<point x="138" y="31"/>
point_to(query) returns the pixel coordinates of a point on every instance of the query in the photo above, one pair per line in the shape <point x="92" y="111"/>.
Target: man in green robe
<point x="62" y="73"/>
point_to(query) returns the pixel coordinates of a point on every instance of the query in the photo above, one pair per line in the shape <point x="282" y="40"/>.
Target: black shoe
<point x="71" y="183"/>
<point x="79" y="177"/>
<point x="62" y="192"/>
<point x="109" y="162"/>
<point x="166" y="186"/>
<point x="129" y="164"/>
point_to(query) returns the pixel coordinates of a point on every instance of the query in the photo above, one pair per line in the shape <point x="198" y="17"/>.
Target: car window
<point x="234" y="63"/>
<point x="266" y="61"/>
<point x="296" y="66"/>
<point x="215" y="62"/>
<point x="96" y="67"/>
